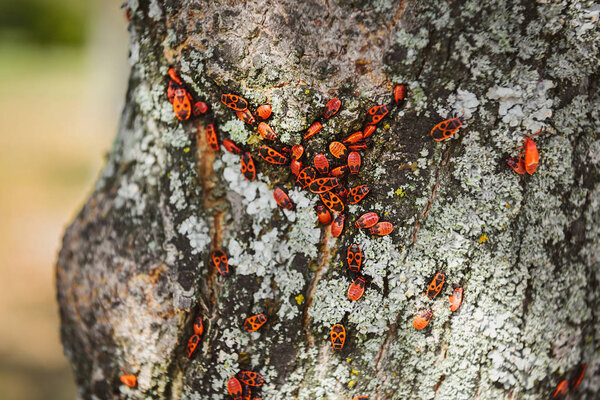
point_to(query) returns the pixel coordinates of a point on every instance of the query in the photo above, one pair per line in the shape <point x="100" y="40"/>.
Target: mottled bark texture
<point x="134" y="269"/>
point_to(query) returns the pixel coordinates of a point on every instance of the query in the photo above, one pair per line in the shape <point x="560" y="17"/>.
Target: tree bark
<point x="135" y="266"/>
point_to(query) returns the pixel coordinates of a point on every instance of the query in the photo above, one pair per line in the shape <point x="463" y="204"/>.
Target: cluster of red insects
<point x="328" y="184"/>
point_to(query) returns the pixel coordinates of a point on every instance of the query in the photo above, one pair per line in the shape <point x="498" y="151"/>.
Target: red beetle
<point x="399" y="93"/>
<point x="578" y="377"/>
<point x="561" y="389"/>
<point x="354" y="257"/>
<point x="517" y="164"/>
<point x="182" y="104"/>
<point x="192" y="345"/>
<point x="231" y="147"/>
<point x="381" y="229"/>
<point x="369" y="130"/>
<point x="306" y="176"/>
<point x="436" y="285"/>
<point x="323" y="214"/>
<point x="235" y="102"/>
<point x="456" y="299"/>
<point x="212" y="138"/>
<point x="321" y="185"/>
<point x="246" y="116"/>
<point x="445" y="129"/>
<point x="376" y="114"/>
<point x="220" y="261"/>
<point x="356" y="289"/>
<point x="358" y="193"/>
<point x="332" y="201"/>
<point x="264" y="111"/>
<point x="282" y="199"/>
<point x="338" y="336"/>
<point x="354" y="138"/>
<point x="354" y="162"/>
<point x="340" y="171"/>
<point x="297" y="151"/>
<point x="338" y="150"/>
<point x="198" y="326"/>
<point x="332" y="107"/>
<point x="254" y="322"/>
<point x="234" y="387"/>
<point x="313" y="130"/>
<point x="272" y="156"/>
<point x="338" y="225"/>
<point x="321" y="164"/>
<point x="296" y="166"/>
<point x="367" y="220"/>
<point x="199" y="108"/>
<point x="248" y="169"/>
<point x="129" y="380"/>
<point x="250" y="378"/>
<point x="422" y="319"/>
<point x="266" y="131"/>
<point x="532" y="156"/>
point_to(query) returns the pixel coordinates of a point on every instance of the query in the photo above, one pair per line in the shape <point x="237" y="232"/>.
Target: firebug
<point x="272" y="156"/>
<point x="578" y="377"/>
<point x="331" y="108"/>
<point x="338" y="336"/>
<point x="231" y="147"/>
<point x="356" y="289"/>
<point x="358" y="193"/>
<point x="338" y="225"/>
<point x="359" y="146"/>
<point x="282" y="199"/>
<point x="264" y="111"/>
<point x="376" y="114"/>
<point x="219" y="259"/>
<point x="517" y="164"/>
<point x="381" y="229"/>
<point x="354" y="138"/>
<point x="369" y="130"/>
<point x="211" y="137"/>
<point x="254" y="322"/>
<point x="175" y="76"/>
<point x="399" y="93"/>
<point x="354" y="162"/>
<point x="321" y="164"/>
<point x="235" y="102"/>
<point x="445" y="129"/>
<point x="354" y="257"/>
<point x="199" y="108"/>
<point x="367" y="220"/>
<point x="340" y="171"/>
<point x="198" y="326"/>
<point x="250" y="378"/>
<point x="456" y="299"/>
<point x="297" y="151"/>
<point x="246" y="116"/>
<point x="129" y="380"/>
<point x="323" y="214"/>
<point x="341" y="192"/>
<point x="306" y="176"/>
<point x="561" y="389"/>
<point x="313" y="130"/>
<point x="248" y="169"/>
<point x="266" y="131"/>
<point x="338" y="150"/>
<point x="182" y="106"/>
<point x="234" y="387"/>
<point x="192" y="345"/>
<point x="422" y="319"/>
<point x="296" y="166"/>
<point x="332" y="201"/>
<point x="532" y="156"/>
<point x="436" y="285"/>
<point x="321" y="185"/>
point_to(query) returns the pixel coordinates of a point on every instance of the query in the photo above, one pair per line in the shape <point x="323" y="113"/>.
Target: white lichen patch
<point x="196" y="231"/>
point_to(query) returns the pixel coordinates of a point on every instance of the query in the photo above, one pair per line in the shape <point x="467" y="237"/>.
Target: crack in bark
<point x="323" y="259"/>
<point x="382" y="349"/>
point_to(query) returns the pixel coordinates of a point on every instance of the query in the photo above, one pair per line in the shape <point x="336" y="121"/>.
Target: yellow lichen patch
<point x="507" y="205"/>
<point x="354" y="372"/>
<point x="483" y="238"/>
<point x="254" y="139"/>
<point x="351" y="384"/>
<point x="299" y="299"/>
<point x="186" y="150"/>
<point x="306" y="91"/>
<point x="348" y="359"/>
<point x="386" y="127"/>
<point x="400" y="192"/>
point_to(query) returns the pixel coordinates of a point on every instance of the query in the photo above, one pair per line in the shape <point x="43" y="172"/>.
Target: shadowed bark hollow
<point x="134" y="269"/>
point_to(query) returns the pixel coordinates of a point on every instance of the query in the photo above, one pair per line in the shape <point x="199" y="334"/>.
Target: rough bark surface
<point x="134" y="268"/>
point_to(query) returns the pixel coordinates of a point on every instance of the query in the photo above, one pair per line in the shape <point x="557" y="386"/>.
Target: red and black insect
<point x="517" y="164"/>
<point x="250" y="378"/>
<point x="296" y="166"/>
<point x="297" y="151"/>
<point x="332" y="201"/>
<point x="338" y="336"/>
<point x="264" y="111"/>
<point x="577" y="377"/>
<point x="331" y="108"/>
<point x="254" y="322"/>
<point x="445" y="129"/>
<point x="313" y="130"/>
<point x="231" y="147"/>
<point x="361" y="398"/>
<point x="435" y="287"/>
<point x="356" y="289"/>
<point x="282" y="199"/>
<point x="246" y="392"/>
<point x="272" y="156"/>
<point x="321" y="185"/>
<point x="192" y="345"/>
<point x="354" y="257"/>
<point x="306" y="176"/>
<point x="381" y="229"/>
<point x="171" y="90"/>
<point x="341" y="192"/>
<point x="323" y="214"/>
<point x="354" y="161"/>
<point x="338" y="225"/>
<point x="198" y="326"/>
<point x="199" y="108"/>
<point x="234" y="387"/>
<point x="367" y="220"/>
<point x="369" y="130"/>
<point x="211" y="137"/>
<point x="246" y="116"/>
<point x="266" y="131"/>
<point x="354" y="138"/>
<point x="235" y="102"/>
<point x="248" y="169"/>
<point x="358" y="193"/>
<point x="129" y="380"/>
<point x="422" y="319"/>
<point x="456" y="299"/>
<point x="175" y="76"/>
<point x="182" y="104"/>
<point x="321" y="164"/>
<point x="532" y="156"/>
<point x="340" y="171"/>
<point x="376" y="114"/>
<point x="219" y="259"/>
<point x="359" y="146"/>
<point x="338" y="150"/>
<point x="561" y="389"/>
<point x="399" y="93"/>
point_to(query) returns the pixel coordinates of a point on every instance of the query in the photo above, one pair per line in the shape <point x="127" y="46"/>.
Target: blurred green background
<point x="63" y="71"/>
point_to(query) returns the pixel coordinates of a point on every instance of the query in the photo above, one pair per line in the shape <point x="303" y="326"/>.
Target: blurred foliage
<point x="44" y="22"/>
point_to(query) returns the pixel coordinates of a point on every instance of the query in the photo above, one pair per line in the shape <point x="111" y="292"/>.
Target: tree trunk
<point x="135" y="265"/>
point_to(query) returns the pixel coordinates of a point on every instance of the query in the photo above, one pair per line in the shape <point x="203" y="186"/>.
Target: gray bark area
<point x="134" y="268"/>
